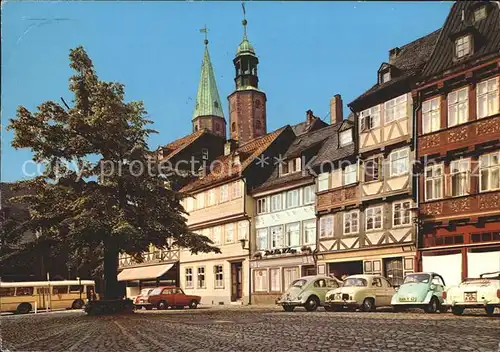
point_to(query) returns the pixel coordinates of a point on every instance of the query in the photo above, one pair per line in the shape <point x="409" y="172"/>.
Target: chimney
<point x="393" y="53"/>
<point x="230" y="146"/>
<point x="309" y="117"/>
<point x="336" y="109"/>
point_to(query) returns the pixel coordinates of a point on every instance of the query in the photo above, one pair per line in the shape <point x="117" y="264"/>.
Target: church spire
<point x="208" y="111"/>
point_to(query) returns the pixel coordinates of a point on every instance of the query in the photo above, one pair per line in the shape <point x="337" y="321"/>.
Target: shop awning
<point x="143" y="273"/>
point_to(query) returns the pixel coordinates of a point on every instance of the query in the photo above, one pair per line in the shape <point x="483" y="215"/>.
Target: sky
<point x="308" y="52"/>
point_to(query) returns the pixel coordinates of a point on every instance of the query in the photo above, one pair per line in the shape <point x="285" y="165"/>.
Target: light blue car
<point x="420" y="290"/>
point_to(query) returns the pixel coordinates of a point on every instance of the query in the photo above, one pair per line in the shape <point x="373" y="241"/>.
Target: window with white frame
<point x="351" y="222"/>
<point x="309" y="194"/>
<point x="326" y="226"/>
<point x="309" y="231"/>
<point x="323" y="181"/>
<point x="243" y="230"/>
<point x="401" y="213"/>
<point x="219" y="276"/>
<point x="200" y="200"/>
<point x="399" y="162"/>
<point x="431" y="115"/>
<point x="275" y="280"/>
<point x="487" y="97"/>
<point x="373" y="218"/>
<point x="224" y="193"/>
<point x="293" y="234"/>
<point x="372" y="169"/>
<point x="370" y="118"/>
<point x="489" y="167"/>
<point x="236" y="189"/>
<point x="262" y="239"/>
<point x="261" y="281"/>
<point x="434" y="181"/>
<point x="262" y="206"/>
<point x="350" y="174"/>
<point x="463" y="46"/>
<point x="386" y="76"/>
<point x="479" y="13"/>
<point x="292" y="199"/>
<point x="395" y="109"/>
<point x="460" y="176"/>
<point x="211" y="197"/>
<point x="458" y="107"/>
<point x="289" y="276"/>
<point x="290" y="166"/>
<point x="229" y="235"/>
<point x="277" y="237"/>
<point x="345" y="137"/>
<point x="201" y="277"/>
<point x="276" y="202"/>
<point x="189" y="277"/>
<point x="217" y="235"/>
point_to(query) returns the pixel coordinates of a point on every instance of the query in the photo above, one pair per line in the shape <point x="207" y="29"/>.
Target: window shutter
<point x="363" y="124"/>
<point x="380" y="165"/>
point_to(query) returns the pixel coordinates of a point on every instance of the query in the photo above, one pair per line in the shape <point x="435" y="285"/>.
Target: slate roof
<point x="409" y="62"/>
<point x="224" y="169"/>
<point x="302" y="127"/>
<point x="327" y="140"/>
<point x="488" y="30"/>
<point x="172" y="148"/>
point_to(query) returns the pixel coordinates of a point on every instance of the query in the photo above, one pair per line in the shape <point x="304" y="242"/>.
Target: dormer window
<point x="479" y="13"/>
<point x="463" y="46"/>
<point x="290" y="166"/>
<point x="345" y="138"/>
<point x="386" y="76"/>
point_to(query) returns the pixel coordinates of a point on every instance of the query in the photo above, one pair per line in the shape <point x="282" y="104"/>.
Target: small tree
<point x="102" y="191"/>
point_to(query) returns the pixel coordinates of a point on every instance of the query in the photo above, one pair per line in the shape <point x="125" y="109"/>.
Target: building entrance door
<point x="236" y="281"/>
<point x="394" y="270"/>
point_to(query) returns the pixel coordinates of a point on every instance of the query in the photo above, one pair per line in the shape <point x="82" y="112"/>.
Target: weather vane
<point x="244" y="22"/>
<point x="205" y="30"/>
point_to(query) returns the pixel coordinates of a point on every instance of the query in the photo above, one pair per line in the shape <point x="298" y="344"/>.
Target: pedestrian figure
<point x="91" y="296"/>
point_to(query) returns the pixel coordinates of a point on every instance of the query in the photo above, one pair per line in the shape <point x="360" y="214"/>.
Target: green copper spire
<point x="245" y="47"/>
<point x="207" y="100"/>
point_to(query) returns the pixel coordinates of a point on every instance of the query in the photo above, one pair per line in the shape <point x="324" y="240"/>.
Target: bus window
<point x="7" y="291"/>
<point x="42" y="291"/>
<point x="75" y="288"/>
<point x="59" y="290"/>
<point x="24" y="291"/>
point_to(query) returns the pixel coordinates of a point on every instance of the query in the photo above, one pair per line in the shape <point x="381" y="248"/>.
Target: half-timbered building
<point x="457" y="105"/>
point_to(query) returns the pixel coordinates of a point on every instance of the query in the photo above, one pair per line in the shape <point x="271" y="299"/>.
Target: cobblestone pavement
<point x="256" y="329"/>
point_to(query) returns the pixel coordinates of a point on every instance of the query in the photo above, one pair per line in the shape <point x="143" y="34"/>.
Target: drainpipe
<point x="249" y="241"/>
<point x="416" y="109"/>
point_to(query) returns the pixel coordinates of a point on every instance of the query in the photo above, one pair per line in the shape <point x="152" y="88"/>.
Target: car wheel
<point x="433" y="306"/>
<point x="288" y="308"/>
<point x="23" y="308"/>
<point x="490" y="310"/>
<point x="77" y="304"/>
<point x="368" y="305"/>
<point x="457" y="310"/>
<point x="312" y="304"/>
<point x="193" y="304"/>
<point x="162" y="305"/>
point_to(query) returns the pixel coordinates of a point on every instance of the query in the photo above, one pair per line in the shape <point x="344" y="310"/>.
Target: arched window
<point x="195" y="128"/>
<point x="217" y="126"/>
<point x="258" y="124"/>
<point x="233" y="127"/>
<point x="216" y="104"/>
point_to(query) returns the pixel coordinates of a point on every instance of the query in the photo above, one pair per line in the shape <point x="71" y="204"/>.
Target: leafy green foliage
<point x="92" y="196"/>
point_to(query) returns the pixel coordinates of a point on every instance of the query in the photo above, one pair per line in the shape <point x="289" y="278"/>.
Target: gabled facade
<point x="458" y="127"/>
<point x="220" y="209"/>
<point x="284" y="230"/>
<point x="386" y="154"/>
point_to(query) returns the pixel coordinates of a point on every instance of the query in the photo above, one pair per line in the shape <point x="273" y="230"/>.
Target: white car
<point x="365" y="292"/>
<point x="475" y="293"/>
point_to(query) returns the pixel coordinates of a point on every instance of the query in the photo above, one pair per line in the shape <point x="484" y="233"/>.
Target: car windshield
<point x="354" y="282"/>
<point x="299" y="283"/>
<point x="416" y="279"/>
<point x="156" y="291"/>
<point x="145" y="292"/>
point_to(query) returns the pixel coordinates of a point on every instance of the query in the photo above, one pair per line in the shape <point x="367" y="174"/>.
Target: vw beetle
<point x="308" y="292"/>
<point x="421" y="290"/>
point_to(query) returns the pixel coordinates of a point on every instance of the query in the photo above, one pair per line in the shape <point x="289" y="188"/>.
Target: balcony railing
<point x="149" y="258"/>
<point x="337" y="197"/>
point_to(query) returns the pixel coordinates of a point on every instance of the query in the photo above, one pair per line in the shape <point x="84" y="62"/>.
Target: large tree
<point x="102" y="192"/>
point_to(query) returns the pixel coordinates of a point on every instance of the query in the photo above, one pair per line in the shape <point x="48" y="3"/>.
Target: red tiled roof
<point x="223" y="167"/>
<point x="176" y="146"/>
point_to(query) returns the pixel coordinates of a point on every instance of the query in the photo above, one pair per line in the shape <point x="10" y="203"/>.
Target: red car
<point x="168" y="296"/>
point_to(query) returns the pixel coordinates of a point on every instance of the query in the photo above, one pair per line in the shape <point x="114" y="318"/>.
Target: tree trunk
<point x="111" y="288"/>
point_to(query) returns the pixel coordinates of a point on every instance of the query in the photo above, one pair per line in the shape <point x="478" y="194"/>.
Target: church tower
<point x="208" y="111"/>
<point x="247" y="104"/>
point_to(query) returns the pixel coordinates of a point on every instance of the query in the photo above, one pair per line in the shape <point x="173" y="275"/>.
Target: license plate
<point x="470" y="296"/>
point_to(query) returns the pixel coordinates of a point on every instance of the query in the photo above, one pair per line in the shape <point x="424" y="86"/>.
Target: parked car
<point x="365" y="292"/>
<point x="308" y="292"/>
<point x="475" y="293"/>
<point x="142" y="297"/>
<point x="169" y="296"/>
<point x="421" y="290"/>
